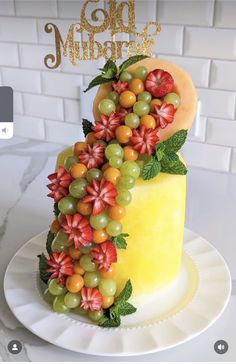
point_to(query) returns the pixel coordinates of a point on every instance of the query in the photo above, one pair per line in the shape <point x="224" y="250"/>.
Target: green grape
<point x="126" y="182"/>
<point x="106" y="107"/>
<point x="132" y="120"/>
<point x="62" y="238"/>
<point x="124" y="197"/>
<point x="67" y="205"/>
<point x="87" y="264"/>
<point x="79" y="311"/>
<point x="95" y="315"/>
<point x="56" y="289"/>
<point x="141" y="108"/>
<point x="69" y="161"/>
<point x="99" y="221"/>
<point x="141" y="73"/>
<point x="115" y="162"/>
<point x="130" y="168"/>
<point x="145" y="96"/>
<point x="107" y="287"/>
<point x="59" y="247"/>
<point x="72" y="300"/>
<point x="125" y="76"/>
<point x="59" y="305"/>
<point x="114" y="150"/>
<point x="94" y="173"/>
<point x="48" y="297"/>
<point x="77" y="188"/>
<point x="86" y="249"/>
<point x="91" y="279"/>
<point x="114" y="228"/>
<point x="172" y="98"/>
<point x="114" y="141"/>
<point x="114" y="96"/>
<point x="142" y="160"/>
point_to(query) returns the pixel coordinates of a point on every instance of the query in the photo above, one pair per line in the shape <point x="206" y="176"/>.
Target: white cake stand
<point x="177" y="313"/>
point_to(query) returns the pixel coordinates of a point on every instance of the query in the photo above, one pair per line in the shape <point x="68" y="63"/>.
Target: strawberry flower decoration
<point x="61" y="266"/>
<point x="79" y="230"/>
<point x="144" y="140"/>
<point x="105" y="129"/>
<point x="100" y="194"/>
<point x="120" y="86"/>
<point x="164" y="114"/>
<point x="91" y="299"/>
<point x="104" y="255"/>
<point x="92" y="157"/>
<point x="59" y="185"/>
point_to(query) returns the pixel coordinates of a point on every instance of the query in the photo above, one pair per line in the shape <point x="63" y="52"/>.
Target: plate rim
<point x="122" y="354"/>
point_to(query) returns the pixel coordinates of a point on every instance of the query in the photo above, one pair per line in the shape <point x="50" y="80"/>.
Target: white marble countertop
<point x="26" y="211"/>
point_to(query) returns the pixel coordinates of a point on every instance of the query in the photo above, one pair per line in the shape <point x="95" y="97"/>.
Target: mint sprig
<point x="50" y="238"/>
<point x="87" y="126"/>
<point x="120" y="241"/>
<point x="43" y="266"/>
<point x="56" y="209"/>
<point x="132" y="60"/>
<point x="165" y="158"/>
<point x="120" y="307"/>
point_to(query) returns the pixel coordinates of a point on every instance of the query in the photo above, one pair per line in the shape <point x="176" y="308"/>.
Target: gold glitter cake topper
<point x="113" y="21"/>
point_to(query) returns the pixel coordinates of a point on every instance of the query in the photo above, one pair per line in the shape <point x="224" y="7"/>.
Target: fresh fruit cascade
<point x="93" y="188"/>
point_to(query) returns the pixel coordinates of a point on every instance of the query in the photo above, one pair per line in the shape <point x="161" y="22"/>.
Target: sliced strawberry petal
<point x="159" y="83"/>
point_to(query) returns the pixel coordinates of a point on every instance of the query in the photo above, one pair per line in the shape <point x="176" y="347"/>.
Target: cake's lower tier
<point x="155" y="223"/>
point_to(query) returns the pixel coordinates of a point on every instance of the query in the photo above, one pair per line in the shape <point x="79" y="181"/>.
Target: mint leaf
<point x="160" y="151"/>
<point x="151" y="169"/>
<point x="120" y="241"/>
<point x="125" y="308"/>
<point x="49" y="241"/>
<point x="97" y="81"/>
<point x="126" y="293"/>
<point x="109" y="70"/>
<point x="43" y="266"/>
<point x="56" y="209"/>
<point x="172" y="164"/>
<point x="130" y="61"/>
<point x="87" y="127"/>
<point x="176" y="141"/>
<point x="109" y="322"/>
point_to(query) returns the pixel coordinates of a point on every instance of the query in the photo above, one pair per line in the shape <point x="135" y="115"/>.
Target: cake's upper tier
<point x="183" y="86"/>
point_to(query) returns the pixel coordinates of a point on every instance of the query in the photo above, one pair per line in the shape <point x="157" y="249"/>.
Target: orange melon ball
<point x="74" y="283"/>
<point x="148" y="121"/>
<point x="61" y="218"/>
<point x="99" y="236"/>
<point x="105" y="166"/>
<point x="116" y="212"/>
<point x="74" y="253"/>
<point x="78" y="170"/>
<point x="112" y="175"/>
<point x="123" y="134"/>
<point x="79" y="147"/>
<point x="130" y="154"/>
<point x="136" y="86"/>
<point x="78" y="269"/>
<point x="154" y="102"/>
<point x="84" y="208"/>
<point x="127" y="99"/>
<point x="107" y="274"/>
<point x="90" y="138"/>
<point x="107" y="301"/>
<point x="55" y="226"/>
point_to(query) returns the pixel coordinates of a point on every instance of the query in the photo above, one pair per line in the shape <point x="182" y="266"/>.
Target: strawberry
<point x="144" y="140"/>
<point x="159" y="83"/>
<point x="120" y="86"/>
<point x="79" y="230"/>
<point x="93" y="157"/>
<point x="164" y="114"/>
<point x="100" y="194"/>
<point x="105" y="129"/>
<point x="61" y="266"/>
<point x="59" y="185"/>
<point x="91" y="299"/>
<point x="104" y="255"/>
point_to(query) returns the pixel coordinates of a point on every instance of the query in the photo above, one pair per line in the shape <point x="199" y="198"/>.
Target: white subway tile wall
<point x="198" y="35"/>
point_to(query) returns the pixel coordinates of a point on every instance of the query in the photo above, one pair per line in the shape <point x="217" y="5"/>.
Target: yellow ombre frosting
<point x="155" y="223"/>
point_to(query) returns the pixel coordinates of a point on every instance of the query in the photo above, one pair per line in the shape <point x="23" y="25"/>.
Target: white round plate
<point x="175" y="314"/>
